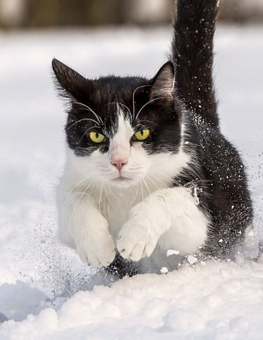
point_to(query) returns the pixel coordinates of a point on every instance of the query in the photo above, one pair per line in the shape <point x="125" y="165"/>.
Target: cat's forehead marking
<point x="124" y="129"/>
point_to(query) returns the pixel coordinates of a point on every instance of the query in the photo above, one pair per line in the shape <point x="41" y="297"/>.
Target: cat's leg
<point x="169" y="217"/>
<point x="83" y="227"/>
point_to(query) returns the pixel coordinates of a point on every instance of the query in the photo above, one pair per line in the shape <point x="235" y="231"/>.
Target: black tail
<point x="193" y="56"/>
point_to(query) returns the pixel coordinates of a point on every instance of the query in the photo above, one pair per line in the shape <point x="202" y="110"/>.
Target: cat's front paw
<point x="97" y="247"/>
<point x="138" y="237"/>
<point x="101" y="255"/>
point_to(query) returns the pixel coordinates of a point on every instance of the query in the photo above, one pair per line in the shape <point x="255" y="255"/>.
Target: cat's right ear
<point x="69" y="82"/>
<point x="163" y="84"/>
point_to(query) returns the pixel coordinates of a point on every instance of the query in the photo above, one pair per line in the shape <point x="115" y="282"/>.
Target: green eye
<point x="142" y="134"/>
<point x="96" y="137"/>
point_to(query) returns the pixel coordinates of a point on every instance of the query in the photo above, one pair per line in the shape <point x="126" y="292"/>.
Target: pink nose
<point x="119" y="163"/>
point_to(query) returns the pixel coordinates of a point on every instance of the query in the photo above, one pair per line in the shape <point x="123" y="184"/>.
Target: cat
<point x="149" y="177"/>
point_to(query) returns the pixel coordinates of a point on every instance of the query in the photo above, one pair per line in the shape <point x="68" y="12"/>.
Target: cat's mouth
<point x="122" y="182"/>
<point x="122" y="179"/>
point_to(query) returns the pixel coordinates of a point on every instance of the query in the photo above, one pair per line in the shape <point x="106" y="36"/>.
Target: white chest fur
<point x="96" y="218"/>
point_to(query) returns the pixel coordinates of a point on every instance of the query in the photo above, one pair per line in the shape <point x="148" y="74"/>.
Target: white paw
<point x="138" y="237"/>
<point x="96" y="246"/>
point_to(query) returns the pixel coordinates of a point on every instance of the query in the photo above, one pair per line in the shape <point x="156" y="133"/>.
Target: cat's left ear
<point x="163" y="84"/>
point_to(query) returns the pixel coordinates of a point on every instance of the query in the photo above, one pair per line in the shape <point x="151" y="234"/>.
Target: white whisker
<point x="106" y="192"/>
<point x="102" y="182"/>
<point x="147" y="176"/>
<point x="128" y="110"/>
<point x="78" y="201"/>
<point x="92" y="127"/>
<point x="90" y="109"/>
<point x="141" y="190"/>
<point x="80" y="120"/>
<point x="135" y="196"/>
<point x="158" y="179"/>
<point x="133" y="98"/>
<point x="84" y="179"/>
<point x="149" y="102"/>
<point x="146" y="186"/>
<point x="111" y="191"/>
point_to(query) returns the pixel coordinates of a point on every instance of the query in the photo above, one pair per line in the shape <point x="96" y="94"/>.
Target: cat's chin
<point x="122" y="182"/>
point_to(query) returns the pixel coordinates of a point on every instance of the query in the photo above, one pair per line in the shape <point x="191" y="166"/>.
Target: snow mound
<point x="208" y="301"/>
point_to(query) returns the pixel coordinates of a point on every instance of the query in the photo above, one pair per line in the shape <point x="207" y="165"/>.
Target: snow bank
<point x="45" y="290"/>
<point x="209" y="301"/>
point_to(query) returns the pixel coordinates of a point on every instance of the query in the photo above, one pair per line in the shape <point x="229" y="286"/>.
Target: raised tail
<point x="193" y="56"/>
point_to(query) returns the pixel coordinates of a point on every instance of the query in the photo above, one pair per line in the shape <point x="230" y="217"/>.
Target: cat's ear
<point x="72" y="84"/>
<point x="163" y="83"/>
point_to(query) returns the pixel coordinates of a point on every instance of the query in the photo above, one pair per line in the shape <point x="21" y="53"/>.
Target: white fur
<point x="97" y="203"/>
<point x="120" y="144"/>
<point x="168" y="217"/>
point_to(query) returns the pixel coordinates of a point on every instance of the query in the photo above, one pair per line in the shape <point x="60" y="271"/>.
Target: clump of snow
<point x="45" y="290"/>
<point x="172" y="252"/>
<point x="164" y="270"/>
<point x="191" y="259"/>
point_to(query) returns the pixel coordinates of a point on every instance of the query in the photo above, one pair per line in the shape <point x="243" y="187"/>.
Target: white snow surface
<point x="45" y="290"/>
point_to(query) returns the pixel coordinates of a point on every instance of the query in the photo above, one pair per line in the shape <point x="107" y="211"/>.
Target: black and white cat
<point x="148" y="169"/>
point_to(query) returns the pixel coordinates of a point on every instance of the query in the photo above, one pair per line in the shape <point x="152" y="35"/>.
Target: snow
<point x="212" y="301"/>
<point x="191" y="259"/>
<point x="46" y="292"/>
<point x="172" y="252"/>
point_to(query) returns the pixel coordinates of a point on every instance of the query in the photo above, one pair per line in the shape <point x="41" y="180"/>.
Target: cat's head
<point x="125" y="129"/>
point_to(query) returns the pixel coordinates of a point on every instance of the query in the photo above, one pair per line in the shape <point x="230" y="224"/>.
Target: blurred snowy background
<point x="212" y="301"/>
<point x="55" y="13"/>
